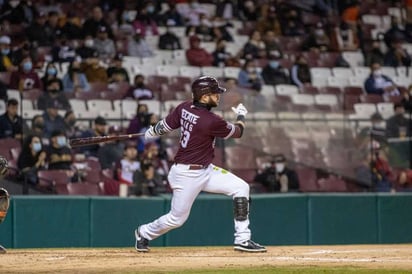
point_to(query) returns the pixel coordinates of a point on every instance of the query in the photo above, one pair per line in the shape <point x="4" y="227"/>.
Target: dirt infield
<point x="111" y="260"/>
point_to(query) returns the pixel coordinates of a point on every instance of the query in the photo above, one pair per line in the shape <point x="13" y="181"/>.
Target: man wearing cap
<point x="11" y="124"/>
<point x="196" y="55"/>
<point x="52" y="119"/>
<point x="99" y="129"/>
<point x="6" y="60"/>
<point x="103" y="44"/>
<point x="278" y="177"/>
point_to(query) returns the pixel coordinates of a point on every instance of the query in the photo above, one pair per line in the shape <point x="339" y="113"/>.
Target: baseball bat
<point x="87" y="141"/>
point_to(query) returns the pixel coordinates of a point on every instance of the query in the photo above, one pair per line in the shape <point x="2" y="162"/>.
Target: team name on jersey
<point x="190" y="117"/>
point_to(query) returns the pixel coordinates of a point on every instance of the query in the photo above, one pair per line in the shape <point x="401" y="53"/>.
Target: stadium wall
<point x="276" y="219"/>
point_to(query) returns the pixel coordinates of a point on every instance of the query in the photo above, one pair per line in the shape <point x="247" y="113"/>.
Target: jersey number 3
<point x="185" y="138"/>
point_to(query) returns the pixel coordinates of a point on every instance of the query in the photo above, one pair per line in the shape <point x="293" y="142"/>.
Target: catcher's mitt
<point x="4" y="166"/>
<point x="4" y="203"/>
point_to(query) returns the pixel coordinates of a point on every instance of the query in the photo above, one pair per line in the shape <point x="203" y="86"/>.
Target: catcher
<point x="4" y="196"/>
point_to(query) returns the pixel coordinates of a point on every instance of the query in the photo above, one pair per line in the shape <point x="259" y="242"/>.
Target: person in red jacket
<point x="197" y="56"/>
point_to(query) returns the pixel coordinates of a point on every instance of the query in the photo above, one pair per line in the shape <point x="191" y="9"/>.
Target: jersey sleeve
<point x="172" y="120"/>
<point x="221" y="128"/>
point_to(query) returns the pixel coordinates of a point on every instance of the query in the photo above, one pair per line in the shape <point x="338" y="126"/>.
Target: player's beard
<point x="212" y="103"/>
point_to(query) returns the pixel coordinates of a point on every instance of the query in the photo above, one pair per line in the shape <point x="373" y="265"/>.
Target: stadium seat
<point x="337" y="82"/>
<point x="285" y="89"/>
<point x="389" y="71"/>
<point x="167" y="70"/>
<point x="50" y="178"/>
<point x="354" y="58"/>
<point x="85" y="189"/>
<point x="97" y="105"/>
<point x="371" y="98"/>
<point x="217" y="72"/>
<point x="78" y="105"/>
<point x="357" y="81"/>
<point x="231" y="72"/>
<point x="385" y="109"/>
<point x="364" y="110"/>
<point x="190" y="71"/>
<point x="362" y="72"/>
<point x="307" y="179"/>
<point x="342" y="72"/>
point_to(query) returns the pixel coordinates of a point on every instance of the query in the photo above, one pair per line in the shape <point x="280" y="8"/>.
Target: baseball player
<point x="4" y="196"/>
<point x="193" y="170"/>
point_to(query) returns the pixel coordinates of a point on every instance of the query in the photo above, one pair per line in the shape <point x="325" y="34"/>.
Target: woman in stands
<point x="51" y="74"/>
<point x="32" y="158"/>
<point x="75" y="80"/>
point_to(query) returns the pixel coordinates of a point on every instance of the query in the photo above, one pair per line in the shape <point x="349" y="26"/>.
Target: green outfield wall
<point x="276" y="219"/>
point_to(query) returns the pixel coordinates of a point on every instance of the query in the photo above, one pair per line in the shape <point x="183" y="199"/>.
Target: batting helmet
<point x="204" y="85"/>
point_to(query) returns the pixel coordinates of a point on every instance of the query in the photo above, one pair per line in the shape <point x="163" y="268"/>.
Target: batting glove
<point x="150" y="134"/>
<point x="240" y="110"/>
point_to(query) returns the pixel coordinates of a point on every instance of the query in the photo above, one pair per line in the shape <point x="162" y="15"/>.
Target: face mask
<point x="36" y="147"/>
<point x="319" y="32"/>
<point x="280" y="167"/>
<point x="61" y="141"/>
<point x="51" y="71"/>
<point x="377" y="72"/>
<point x="39" y="125"/>
<point x="71" y="122"/>
<point x="274" y="64"/>
<point x="5" y="51"/>
<point x="27" y="66"/>
<point x="150" y="9"/>
<point x="89" y="43"/>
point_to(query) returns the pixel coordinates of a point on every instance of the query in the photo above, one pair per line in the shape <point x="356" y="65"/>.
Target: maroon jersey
<point x="198" y="127"/>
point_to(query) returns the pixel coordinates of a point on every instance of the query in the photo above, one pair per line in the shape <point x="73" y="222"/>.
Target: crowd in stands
<point x="54" y="52"/>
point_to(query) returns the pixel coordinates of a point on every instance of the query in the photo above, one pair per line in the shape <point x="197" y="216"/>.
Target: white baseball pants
<point x="186" y="185"/>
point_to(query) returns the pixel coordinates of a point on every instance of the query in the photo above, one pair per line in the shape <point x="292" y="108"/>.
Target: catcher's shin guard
<point x="240" y="208"/>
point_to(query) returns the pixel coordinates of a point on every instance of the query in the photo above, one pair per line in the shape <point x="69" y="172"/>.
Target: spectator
<point x="11" y="124"/>
<point x="151" y="120"/>
<point x="99" y="129"/>
<point x="300" y="72"/>
<point x="380" y="84"/>
<point x="139" y="90"/>
<point x="63" y="50"/>
<point x="220" y="29"/>
<point x="59" y="154"/>
<point x="269" y="22"/>
<point x="204" y="30"/>
<point x="407" y="100"/>
<point x="123" y="26"/>
<point x="249" y="11"/>
<point x="94" y="70"/>
<point x="197" y="56"/>
<point x="317" y="41"/>
<point x="92" y="25"/>
<point x="273" y="73"/>
<point x="398" y="126"/>
<point x="116" y="72"/>
<point x="278" y="177"/>
<point x="6" y="60"/>
<point x="87" y="49"/>
<point x="32" y="158"/>
<point x="25" y="78"/>
<point x="249" y="77"/>
<point x="147" y="182"/>
<point x="37" y="126"/>
<point x="51" y="74"/>
<point x="138" y="47"/>
<point x="255" y="47"/>
<point x="127" y="166"/>
<point x="17" y="12"/>
<point x="36" y="31"/>
<point x="227" y="10"/>
<point x="271" y="45"/>
<point x="75" y="80"/>
<point x="104" y="45"/>
<point x="171" y="17"/>
<point x="151" y="154"/>
<point x="395" y="33"/>
<point x="53" y="93"/>
<point x="192" y="12"/>
<point x="404" y="183"/>
<point x="291" y="24"/>
<point x="169" y="40"/>
<point x="397" y="56"/>
<point x="111" y="152"/>
<point x="70" y="128"/>
<point x="375" y="55"/>
<point x="52" y="119"/>
<point x="140" y="120"/>
<point x="374" y="173"/>
<point x="52" y="27"/>
<point x="344" y="38"/>
<point x="72" y="28"/>
<point x="220" y="55"/>
<point x="145" y="23"/>
<point x="376" y="132"/>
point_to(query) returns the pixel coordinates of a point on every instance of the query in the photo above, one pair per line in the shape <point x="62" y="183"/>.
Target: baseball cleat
<point x="249" y="246"/>
<point x="2" y="250"/>
<point x="142" y="244"/>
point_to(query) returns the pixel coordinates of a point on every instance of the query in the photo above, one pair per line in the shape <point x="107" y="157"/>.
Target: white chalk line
<point x="55" y="258"/>
<point x="330" y="251"/>
<point x="338" y="260"/>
